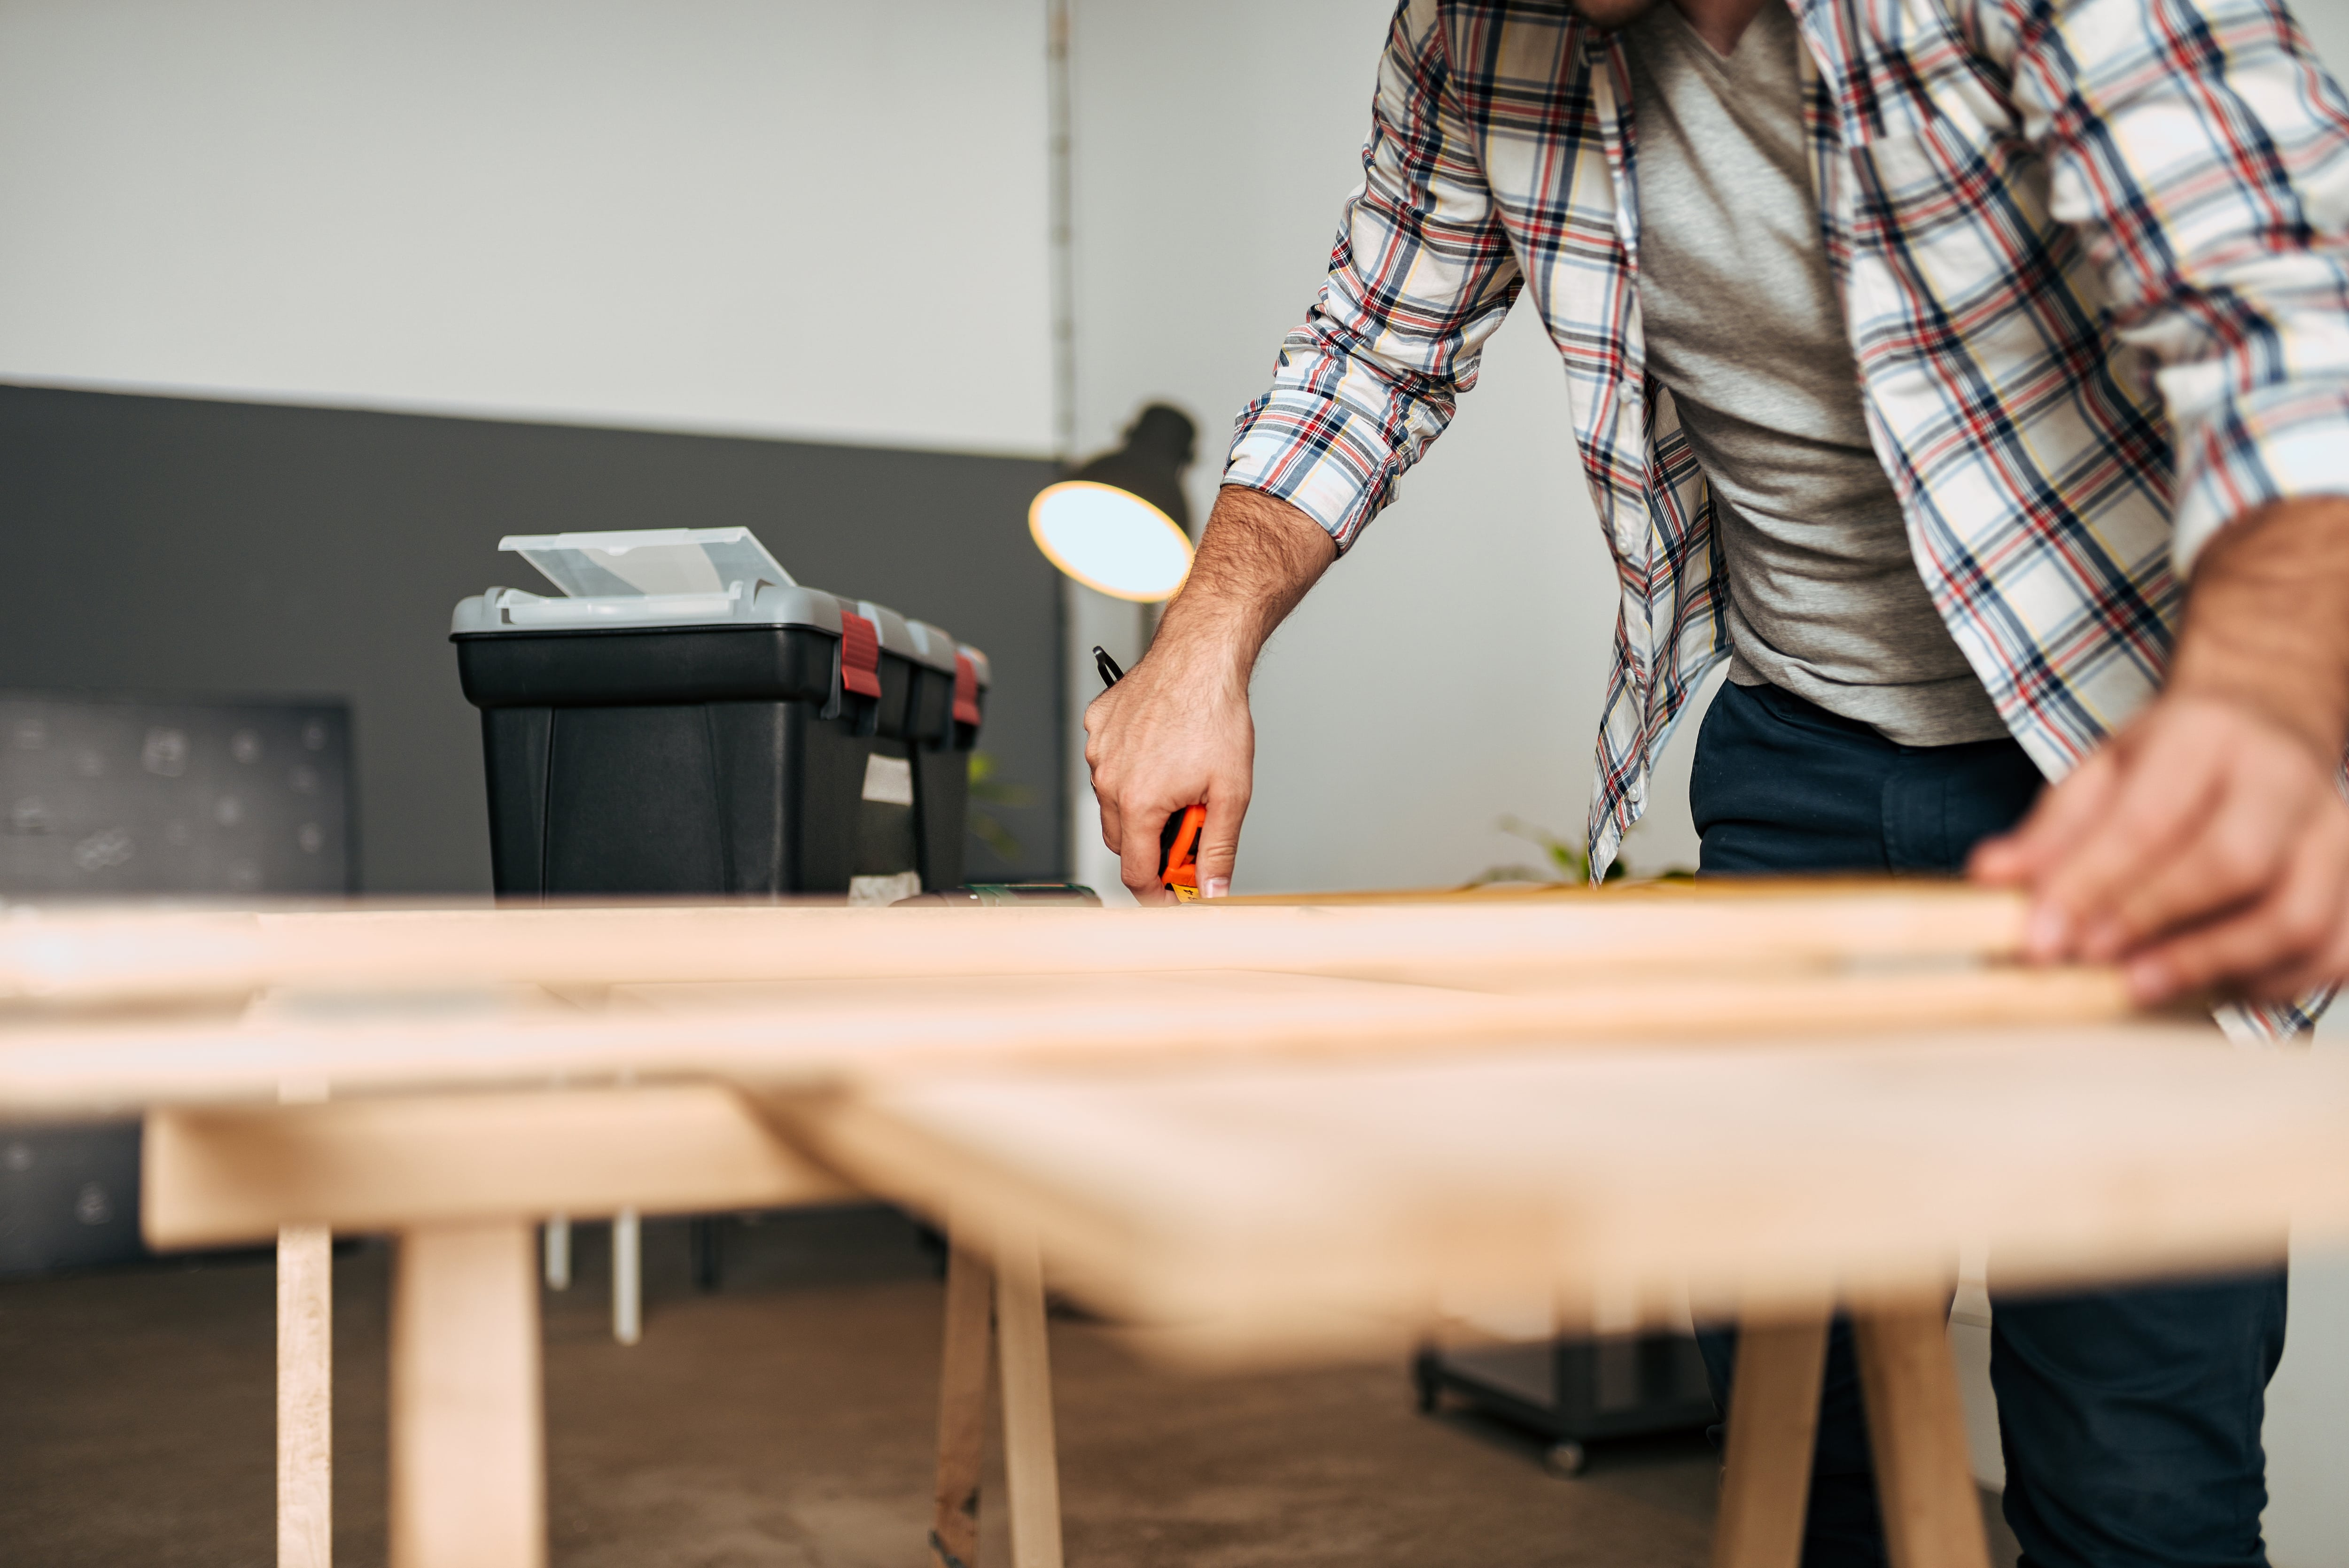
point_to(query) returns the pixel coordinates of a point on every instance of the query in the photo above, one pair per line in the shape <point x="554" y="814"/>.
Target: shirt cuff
<point x="1331" y="462"/>
<point x="2276" y="443"/>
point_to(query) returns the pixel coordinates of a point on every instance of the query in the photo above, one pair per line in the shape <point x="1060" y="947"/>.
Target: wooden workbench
<point x="1252" y="1132"/>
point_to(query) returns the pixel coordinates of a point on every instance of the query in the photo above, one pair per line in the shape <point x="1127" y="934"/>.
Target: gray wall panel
<point x="184" y="547"/>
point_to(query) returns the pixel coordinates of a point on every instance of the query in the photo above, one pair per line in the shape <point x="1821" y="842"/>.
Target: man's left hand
<point x="2206" y="845"/>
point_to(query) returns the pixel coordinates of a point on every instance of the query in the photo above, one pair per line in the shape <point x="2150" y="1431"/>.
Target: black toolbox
<point x="686" y="720"/>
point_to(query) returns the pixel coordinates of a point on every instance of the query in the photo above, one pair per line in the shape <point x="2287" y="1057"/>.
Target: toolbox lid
<point x="649" y="562"/>
<point x="647" y="578"/>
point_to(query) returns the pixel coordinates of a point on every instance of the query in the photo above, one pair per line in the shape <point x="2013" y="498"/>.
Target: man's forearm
<point x="2267" y="620"/>
<point x="1256" y="560"/>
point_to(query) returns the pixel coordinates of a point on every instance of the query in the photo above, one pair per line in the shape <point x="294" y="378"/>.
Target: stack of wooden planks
<point x="1250" y="1132"/>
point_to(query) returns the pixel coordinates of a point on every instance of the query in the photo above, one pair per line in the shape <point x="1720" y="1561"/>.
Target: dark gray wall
<point x="191" y="547"/>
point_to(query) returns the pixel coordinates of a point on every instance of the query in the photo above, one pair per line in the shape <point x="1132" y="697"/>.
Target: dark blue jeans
<point x="2130" y="1419"/>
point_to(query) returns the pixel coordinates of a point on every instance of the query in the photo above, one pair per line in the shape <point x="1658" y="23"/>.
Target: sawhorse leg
<point x="468" y="1442"/>
<point x="1013" y="1294"/>
<point x="1917" y="1435"/>
<point x="306" y="1408"/>
<point x="1774" y="1421"/>
<point x="962" y="1409"/>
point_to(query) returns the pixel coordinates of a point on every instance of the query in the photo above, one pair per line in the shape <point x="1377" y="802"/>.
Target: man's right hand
<point x="1176" y="731"/>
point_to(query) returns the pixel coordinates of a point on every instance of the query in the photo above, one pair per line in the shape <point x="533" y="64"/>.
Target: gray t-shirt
<point x="1742" y="324"/>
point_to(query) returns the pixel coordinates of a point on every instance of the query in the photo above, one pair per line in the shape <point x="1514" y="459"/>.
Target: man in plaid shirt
<point x="1973" y="376"/>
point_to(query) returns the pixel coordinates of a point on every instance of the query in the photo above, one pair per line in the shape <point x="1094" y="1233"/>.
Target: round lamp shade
<point x="1110" y="539"/>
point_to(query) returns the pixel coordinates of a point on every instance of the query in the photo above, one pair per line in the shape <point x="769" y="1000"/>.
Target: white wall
<point x="780" y="217"/>
<point x="1448" y="671"/>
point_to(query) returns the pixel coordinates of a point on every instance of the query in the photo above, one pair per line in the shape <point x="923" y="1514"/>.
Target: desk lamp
<point x="1118" y="524"/>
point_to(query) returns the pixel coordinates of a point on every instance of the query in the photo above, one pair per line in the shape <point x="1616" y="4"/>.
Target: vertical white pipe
<point x="1058" y="158"/>
<point x="558" y="1252"/>
<point x="627" y="1279"/>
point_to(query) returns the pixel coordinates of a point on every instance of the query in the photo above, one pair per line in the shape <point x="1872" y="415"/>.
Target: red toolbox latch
<point x="965" y="698"/>
<point x="860" y="656"/>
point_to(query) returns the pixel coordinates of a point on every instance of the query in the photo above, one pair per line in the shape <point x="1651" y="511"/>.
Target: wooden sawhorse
<point x="460" y="1181"/>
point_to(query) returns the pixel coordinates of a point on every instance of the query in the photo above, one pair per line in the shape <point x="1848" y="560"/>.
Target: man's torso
<point x="1742" y="324"/>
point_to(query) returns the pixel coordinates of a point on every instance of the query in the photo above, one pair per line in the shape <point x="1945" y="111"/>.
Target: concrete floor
<point x="785" y="1420"/>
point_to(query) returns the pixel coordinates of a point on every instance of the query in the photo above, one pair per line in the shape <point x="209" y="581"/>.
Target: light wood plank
<point x="1031" y="1472"/>
<point x="468" y="1461"/>
<point x="305" y="1386"/>
<point x="1773" y="1420"/>
<point x="227" y="1175"/>
<point x="962" y="1409"/>
<point x="59" y="956"/>
<point x="1917" y="1432"/>
<point x="805" y="1033"/>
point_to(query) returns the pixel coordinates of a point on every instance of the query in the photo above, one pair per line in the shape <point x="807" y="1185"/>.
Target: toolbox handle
<point x="965" y="692"/>
<point x="860" y="655"/>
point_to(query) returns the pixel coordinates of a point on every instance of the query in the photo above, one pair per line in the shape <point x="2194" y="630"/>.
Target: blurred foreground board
<point x="1279" y="1213"/>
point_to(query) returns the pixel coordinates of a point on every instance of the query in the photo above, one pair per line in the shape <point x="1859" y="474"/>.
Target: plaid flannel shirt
<point x="2093" y="260"/>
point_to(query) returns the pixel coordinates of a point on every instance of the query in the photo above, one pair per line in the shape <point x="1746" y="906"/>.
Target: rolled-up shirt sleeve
<point x="1420" y="277"/>
<point x="2203" y="155"/>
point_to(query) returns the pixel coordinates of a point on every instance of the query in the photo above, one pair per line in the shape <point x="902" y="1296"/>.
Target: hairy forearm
<point x="1259" y="556"/>
<point x="2267" y="621"/>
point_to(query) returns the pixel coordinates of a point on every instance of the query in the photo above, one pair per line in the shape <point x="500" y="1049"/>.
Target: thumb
<point x="1219" y="840"/>
<point x="2059" y="819"/>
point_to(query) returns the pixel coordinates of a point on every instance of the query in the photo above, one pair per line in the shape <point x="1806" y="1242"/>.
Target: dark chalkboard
<point x="114" y="797"/>
<point x="120" y="797"/>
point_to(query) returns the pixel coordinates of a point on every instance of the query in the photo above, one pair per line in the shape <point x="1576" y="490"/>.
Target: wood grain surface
<point x="775" y="1035"/>
<point x="1287" y="1210"/>
<point x="59" y="957"/>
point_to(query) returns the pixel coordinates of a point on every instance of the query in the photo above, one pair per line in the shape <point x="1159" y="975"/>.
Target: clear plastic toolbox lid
<point x="649" y="561"/>
<point x="652" y="576"/>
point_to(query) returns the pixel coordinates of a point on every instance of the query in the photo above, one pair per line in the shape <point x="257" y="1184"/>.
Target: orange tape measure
<point x="1178" y="853"/>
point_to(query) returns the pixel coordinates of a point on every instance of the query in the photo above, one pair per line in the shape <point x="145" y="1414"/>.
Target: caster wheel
<point x="1566" y="1459"/>
<point x="1426" y="1386"/>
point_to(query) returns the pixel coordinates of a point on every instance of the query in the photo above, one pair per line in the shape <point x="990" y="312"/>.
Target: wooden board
<point x="216" y="1176"/>
<point x="57" y="958"/>
<point x="806" y="1034"/>
<point x="1295" y="1210"/>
